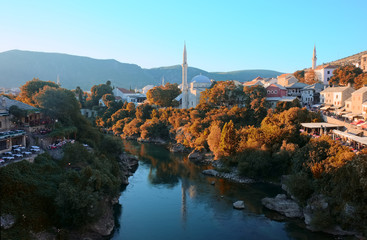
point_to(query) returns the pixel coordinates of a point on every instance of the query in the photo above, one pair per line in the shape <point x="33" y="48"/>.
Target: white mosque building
<point x="191" y="93"/>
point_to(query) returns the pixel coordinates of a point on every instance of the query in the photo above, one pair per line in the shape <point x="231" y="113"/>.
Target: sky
<point x="225" y="35"/>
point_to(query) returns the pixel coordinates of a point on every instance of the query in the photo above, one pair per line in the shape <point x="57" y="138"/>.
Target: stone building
<point x="363" y="65"/>
<point x="336" y="96"/>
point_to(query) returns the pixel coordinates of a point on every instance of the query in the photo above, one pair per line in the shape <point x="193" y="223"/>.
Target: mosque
<point x="191" y="93"/>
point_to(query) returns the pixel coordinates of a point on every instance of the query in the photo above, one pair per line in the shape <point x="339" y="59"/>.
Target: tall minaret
<point x="185" y="86"/>
<point x="314" y="58"/>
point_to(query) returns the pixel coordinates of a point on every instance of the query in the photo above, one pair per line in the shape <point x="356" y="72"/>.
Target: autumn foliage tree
<point x="300" y="75"/>
<point x="311" y="77"/>
<point x="31" y="88"/>
<point x="223" y="93"/>
<point x="345" y="74"/>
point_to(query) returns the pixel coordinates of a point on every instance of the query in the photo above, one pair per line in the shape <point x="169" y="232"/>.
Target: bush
<point x="300" y="186"/>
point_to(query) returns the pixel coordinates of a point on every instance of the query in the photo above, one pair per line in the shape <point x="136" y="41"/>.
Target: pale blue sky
<point x="223" y="35"/>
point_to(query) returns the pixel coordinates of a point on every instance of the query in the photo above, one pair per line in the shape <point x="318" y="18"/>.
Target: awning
<point x="362" y="140"/>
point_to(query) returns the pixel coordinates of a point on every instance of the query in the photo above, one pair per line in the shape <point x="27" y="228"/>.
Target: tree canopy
<point x="223" y="93"/>
<point x="345" y="74"/>
<point x="31" y="88"/>
<point x="164" y="96"/>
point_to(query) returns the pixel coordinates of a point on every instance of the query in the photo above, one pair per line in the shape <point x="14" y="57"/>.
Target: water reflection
<point x="169" y="198"/>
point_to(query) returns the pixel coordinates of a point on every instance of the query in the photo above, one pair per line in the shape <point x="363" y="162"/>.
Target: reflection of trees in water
<point x="166" y="168"/>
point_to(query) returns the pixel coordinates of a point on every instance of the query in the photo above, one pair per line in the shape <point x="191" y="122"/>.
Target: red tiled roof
<point x="283" y="75"/>
<point x="326" y="66"/>
<point x="123" y="90"/>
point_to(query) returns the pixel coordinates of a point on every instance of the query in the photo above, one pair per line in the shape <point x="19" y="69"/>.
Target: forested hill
<point x="18" y="67"/>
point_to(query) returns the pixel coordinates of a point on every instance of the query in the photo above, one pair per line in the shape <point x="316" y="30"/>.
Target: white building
<point x="311" y="94"/>
<point x="123" y="94"/>
<point x="145" y="89"/>
<point x="324" y="73"/>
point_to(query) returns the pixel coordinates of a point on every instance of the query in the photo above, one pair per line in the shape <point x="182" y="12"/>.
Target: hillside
<point x="18" y="67"/>
<point x="356" y="58"/>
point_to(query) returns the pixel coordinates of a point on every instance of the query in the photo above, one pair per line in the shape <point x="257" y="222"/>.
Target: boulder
<point x="283" y="205"/>
<point x="239" y="205"/>
<point x="196" y="155"/>
<point x="177" y="148"/>
<point x="314" y="203"/>
<point x="211" y="172"/>
<point x="7" y="221"/>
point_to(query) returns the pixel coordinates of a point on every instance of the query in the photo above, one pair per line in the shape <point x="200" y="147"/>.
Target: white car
<point x="8" y="158"/>
<point x="27" y="153"/>
<point x="2" y="161"/>
<point x="18" y="155"/>
<point x="35" y="147"/>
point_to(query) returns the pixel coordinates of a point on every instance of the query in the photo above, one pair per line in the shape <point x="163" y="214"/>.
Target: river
<point x="169" y="198"/>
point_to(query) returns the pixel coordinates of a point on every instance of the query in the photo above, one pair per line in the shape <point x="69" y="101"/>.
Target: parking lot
<point x="19" y="153"/>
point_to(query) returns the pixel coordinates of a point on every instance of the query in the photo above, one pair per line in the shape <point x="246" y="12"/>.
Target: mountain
<point x="17" y="67"/>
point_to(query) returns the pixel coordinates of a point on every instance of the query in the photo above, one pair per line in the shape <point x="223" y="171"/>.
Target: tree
<point x="143" y="111"/>
<point x="345" y="74"/>
<point x="223" y="93"/>
<point x="214" y="139"/>
<point x="311" y="77"/>
<point x="300" y="75"/>
<point x="58" y="103"/>
<point x="81" y="96"/>
<point x="31" y="88"/>
<point x="164" y="96"/>
<point x="228" y="140"/>
<point x="97" y="91"/>
<point x="360" y="81"/>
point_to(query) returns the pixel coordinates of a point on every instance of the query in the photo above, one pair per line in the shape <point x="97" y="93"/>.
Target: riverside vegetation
<point x="240" y="129"/>
<point x="61" y="195"/>
<point x="234" y="123"/>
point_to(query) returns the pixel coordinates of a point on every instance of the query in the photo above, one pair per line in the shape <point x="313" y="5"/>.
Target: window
<point x="336" y="96"/>
<point x="1" y="124"/>
<point x="328" y="72"/>
<point x="268" y="91"/>
<point x="275" y="91"/>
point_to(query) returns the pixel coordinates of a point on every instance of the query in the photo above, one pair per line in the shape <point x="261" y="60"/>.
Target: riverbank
<point x="81" y="189"/>
<point x="281" y="204"/>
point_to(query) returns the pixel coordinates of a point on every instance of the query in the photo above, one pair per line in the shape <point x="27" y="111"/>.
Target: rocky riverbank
<point x="288" y="205"/>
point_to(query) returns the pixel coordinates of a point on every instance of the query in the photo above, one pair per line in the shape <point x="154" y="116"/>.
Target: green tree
<point x="228" y="140"/>
<point x="164" y="96"/>
<point x="97" y="91"/>
<point x="58" y="103"/>
<point x="143" y="111"/>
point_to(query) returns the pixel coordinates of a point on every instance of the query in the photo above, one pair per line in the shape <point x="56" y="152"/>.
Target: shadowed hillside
<point x="17" y="67"/>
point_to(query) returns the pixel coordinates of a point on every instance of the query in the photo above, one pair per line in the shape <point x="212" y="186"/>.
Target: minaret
<point x="314" y="58"/>
<point x="185" y="86"/>
<point x="58" y="80"/>
<point x="163" y="81"/>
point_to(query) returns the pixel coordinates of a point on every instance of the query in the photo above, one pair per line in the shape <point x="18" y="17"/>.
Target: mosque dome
<point x="200" y="79"/>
